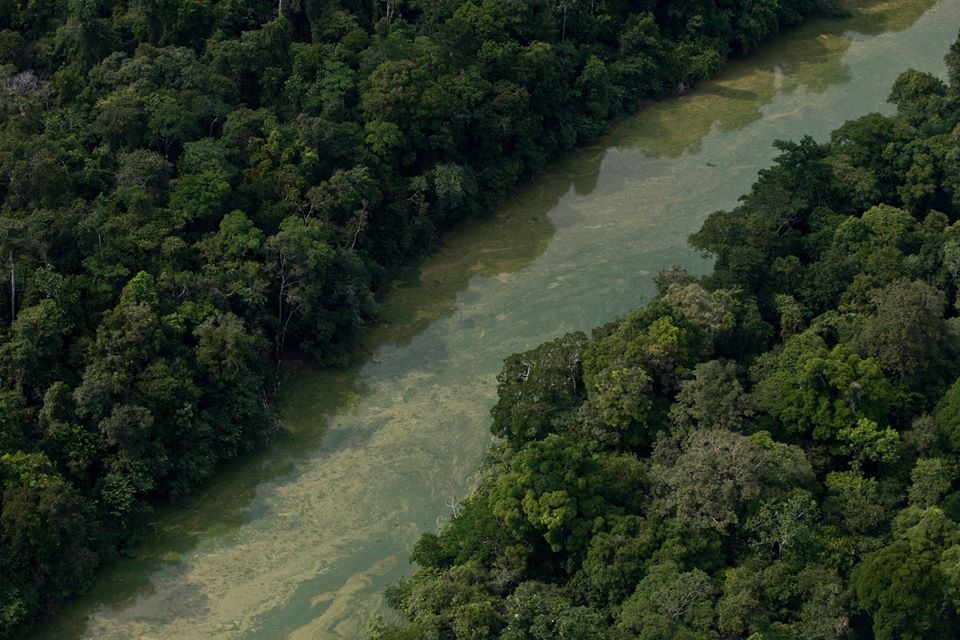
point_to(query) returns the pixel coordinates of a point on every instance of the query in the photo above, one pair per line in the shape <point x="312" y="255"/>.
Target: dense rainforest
<point x="771" y="451"/>
<point x="193" y="191"/>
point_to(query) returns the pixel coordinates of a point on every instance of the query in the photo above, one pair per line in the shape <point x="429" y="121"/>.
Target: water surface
<point x="298" y="541"/>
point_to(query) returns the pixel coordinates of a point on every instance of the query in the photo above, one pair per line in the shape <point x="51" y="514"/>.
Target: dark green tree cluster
<point x="191" y="189"/>
<point x="768" y="452"/>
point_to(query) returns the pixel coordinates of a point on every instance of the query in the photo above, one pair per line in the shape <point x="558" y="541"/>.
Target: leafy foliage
<point x="196" y="190"/>
<point x="801" y="485"/>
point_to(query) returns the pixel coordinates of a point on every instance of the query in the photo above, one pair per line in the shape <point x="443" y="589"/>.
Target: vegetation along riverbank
<point x="769" y="451"/>
<point x="192" y="190"/>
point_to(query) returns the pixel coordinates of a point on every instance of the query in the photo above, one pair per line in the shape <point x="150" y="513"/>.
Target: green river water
<point x="299" y="540"/>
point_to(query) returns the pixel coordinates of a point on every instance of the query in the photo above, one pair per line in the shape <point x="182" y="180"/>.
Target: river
<point x="298" y="540"/>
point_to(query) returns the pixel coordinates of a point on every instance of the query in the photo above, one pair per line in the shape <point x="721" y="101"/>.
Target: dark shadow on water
<point x="874" y="18"/>
<point x="590" y="159"/>
<point x="808" y="57"/>
<point x="802" y="58"/>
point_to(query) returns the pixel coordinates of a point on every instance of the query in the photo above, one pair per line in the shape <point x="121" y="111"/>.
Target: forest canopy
<point x="769" y="452"/>
<point x="192" y="191"/>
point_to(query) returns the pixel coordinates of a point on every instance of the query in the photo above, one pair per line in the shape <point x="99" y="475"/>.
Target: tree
<point x="905" y="333"/>
<point x="947" y="417"/>
<point x="553" y="492"/>
<point x="199" y="196"/>
<point x="868" y="442"/>
<point x="596" y="85"/>
<point x="711" y="311"/>
<point x="740" y="611"/>
<point x="783" y="528"/>
<point x="859" y="505"/>
<point x="344" y="203"/>
<point x="541" y="612"/>
<point x="142" y="178"/>
<point x="708" y="478"/>
<point x="454" y="603"/>
<point x="712" y="399"/>
<point x="931" y="479"/>
<point x="901" y="586"/>
<point x="45" y="527"/>
<point x="792" y="315"/>
<point x="232" y="262"/>
<point x="621" y="398"/>
<point x="824" y="614"/>
<point x="121" y="119"/>
<point x="30" y="356"/>
<point x="917" y="95"/>
<point x="817" y="391"/>
<point x="616" y="560"/>
<point x="669" y="603"/>
<point x="537" y="387"/>
<point x="300" y="256"/>
<point x="857" y="156"/>
<point x="231" y="383"/>
<point x="864" y="253"/>
<point x="664" y="345"/>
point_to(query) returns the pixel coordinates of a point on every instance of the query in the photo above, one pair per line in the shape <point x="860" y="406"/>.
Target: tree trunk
<point x="281" y="326"/>
<point x="13" y="290"/>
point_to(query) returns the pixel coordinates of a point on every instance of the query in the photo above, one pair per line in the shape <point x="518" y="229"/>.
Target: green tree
<point x="616" y="559"/>
<point x="901" y="586"/>
<point x="553" y="491"/>
<point x="868" y="442"/>
<point x="300" y="255"/>
<point x="708" y="478"/>
<point x="45" y="527"/>
<point x="670" y="603"/>
<point x="537" y="387"/>
<point x="906" y="333"/>
<point x="712" y="399"/>
<point x="232" y="262"/>
<point x="541" y="612"/>
<point x="931" y="479"/>
<point x="856" y="503"/>
<point x="818" y="391"/>
<point x="917" y="95"/>
<point x="30" y="355"/>
<point x="783" y="528"/>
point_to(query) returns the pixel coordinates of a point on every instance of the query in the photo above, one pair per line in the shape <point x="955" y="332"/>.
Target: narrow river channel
<point x="299" y="541"/>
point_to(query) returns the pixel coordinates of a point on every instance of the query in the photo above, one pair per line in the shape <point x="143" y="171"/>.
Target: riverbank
<point x="769" y="450"/>
<point x="197" y="191"/>
<point x="303" y="537"/>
